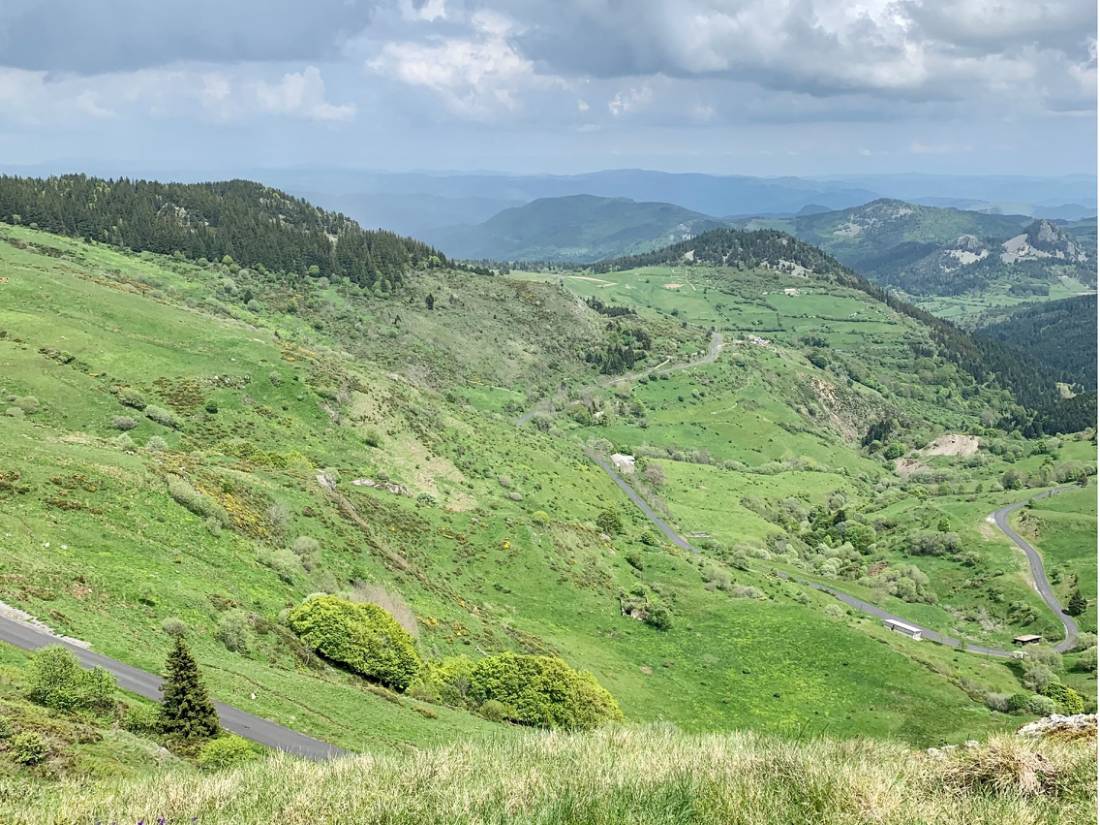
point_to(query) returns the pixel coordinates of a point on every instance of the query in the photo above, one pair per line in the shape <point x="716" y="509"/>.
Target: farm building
<point x="1027" y="639"/>
<point x="903" y="628"/>
<point x="623" y="463"/>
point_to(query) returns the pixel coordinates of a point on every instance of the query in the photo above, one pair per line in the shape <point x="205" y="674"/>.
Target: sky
<point x="764" y="87"/>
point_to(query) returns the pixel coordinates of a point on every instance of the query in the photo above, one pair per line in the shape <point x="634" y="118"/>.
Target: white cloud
<point x="88" y="103"/>
<point x="630" y="100"/>
<point x="222" y="95"/>
<point x="301" y="94"/>
<point x="475" y="77"/>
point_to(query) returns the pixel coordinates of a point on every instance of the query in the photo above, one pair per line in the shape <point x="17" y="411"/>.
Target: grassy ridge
<point x="652" y="776"/>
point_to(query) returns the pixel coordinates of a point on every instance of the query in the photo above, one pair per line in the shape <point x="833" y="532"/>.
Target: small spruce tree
<point x="186" y="709"/>
<point x="1078" y="604"/>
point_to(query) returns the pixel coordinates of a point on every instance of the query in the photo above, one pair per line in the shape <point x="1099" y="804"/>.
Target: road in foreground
<point x="148" y="685"/>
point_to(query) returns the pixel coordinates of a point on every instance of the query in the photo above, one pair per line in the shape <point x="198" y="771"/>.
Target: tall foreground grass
<point x="639" y="776"/>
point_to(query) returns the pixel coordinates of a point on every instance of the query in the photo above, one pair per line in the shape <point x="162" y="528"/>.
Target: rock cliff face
<point x="1041" y="239"/>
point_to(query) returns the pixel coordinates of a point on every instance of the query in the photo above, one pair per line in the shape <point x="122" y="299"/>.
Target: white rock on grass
<point x="1078" y="724"/>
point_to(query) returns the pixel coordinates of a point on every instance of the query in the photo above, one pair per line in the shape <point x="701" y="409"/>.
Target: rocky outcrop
<point x="1078" y="726"/>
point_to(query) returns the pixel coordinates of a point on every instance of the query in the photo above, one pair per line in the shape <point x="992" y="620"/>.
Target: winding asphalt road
<point x="148" y="685"/>
<point x="999" y="517"/>
<point x="1038" y="574"/>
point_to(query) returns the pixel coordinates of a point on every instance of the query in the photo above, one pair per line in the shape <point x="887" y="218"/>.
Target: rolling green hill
<point x="573" y="229"/>
<point x="197" y="440"/>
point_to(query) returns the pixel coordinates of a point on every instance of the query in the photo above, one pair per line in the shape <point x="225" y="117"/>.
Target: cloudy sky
<point x="737" y="86"/>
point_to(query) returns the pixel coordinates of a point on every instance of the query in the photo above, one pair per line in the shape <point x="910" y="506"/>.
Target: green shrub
<point x="496" y="711"/>
<point x="224" y="752"/>
<point x="29" y="748"/>
<point x="131" y="398"/>
<point x="59" y="682"/>
<point x="542" y="691"/>
<point x="609" y="522"/>
<point x="1066" y="698"/>
<point x="1038" y="677"/>
<point x="446" y="681"/>
<point x="285" y="564"/>
<point x="174" y="627"/>
<point x="125" y="443"/>
<point x="658" y="616"/>
<point x="306" y="549"/>
<point x="142" y="720"/>
<point x="234" y="630"/>
<point x="893" y="451"/>
<point x="1041" y="705"/>
<point x="191" y="499"/>
<point x="6" y="728"/>
<point x="162" y="416"/>
<point x="305" y="546"/>
<point x="362" y="637"/>
<point x="123" y="422"/>
<point x="155" y="444"/>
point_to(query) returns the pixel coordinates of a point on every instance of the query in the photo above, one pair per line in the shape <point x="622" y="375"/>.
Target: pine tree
<point x="186" y="709"/>
<point x="1078" y="604"/>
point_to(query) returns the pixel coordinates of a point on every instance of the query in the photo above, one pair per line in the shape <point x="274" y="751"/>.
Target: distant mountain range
<point x="573" y="229"/>
<point x="922" y="250"/>
<point x="417" y="203"/>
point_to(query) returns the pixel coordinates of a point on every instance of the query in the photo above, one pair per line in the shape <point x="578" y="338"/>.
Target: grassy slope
<point x="651" y="776"/>
<point x="93" y="545"/>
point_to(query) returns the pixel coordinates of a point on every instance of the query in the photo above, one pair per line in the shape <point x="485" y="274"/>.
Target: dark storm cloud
<point x="89" y="37"/>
